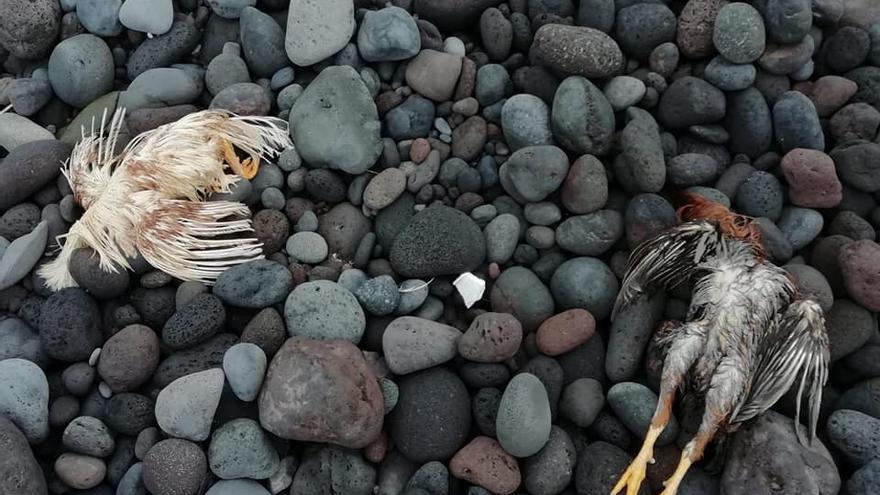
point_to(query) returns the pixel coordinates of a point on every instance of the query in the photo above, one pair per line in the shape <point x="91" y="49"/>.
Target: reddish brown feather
<point x="742" y="227"/>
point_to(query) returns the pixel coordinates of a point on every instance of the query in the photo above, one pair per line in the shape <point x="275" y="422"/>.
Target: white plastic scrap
<point x="470" y="287"/>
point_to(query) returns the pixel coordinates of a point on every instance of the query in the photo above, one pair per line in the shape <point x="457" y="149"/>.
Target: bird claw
<point x="247" y="168"/>
<point x="634" y="475"/>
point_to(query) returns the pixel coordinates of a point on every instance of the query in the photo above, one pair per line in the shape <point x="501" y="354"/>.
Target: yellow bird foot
<point x="634" y="475"/>
<point x="247" y="168"/>
<point x="671" y="485"/>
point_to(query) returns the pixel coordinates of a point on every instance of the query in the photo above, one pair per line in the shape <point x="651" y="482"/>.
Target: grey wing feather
<point x="666" y="260"/>
<point x="795" y="349"/>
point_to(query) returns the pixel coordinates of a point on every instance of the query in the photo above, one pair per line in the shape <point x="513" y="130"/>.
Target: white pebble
<point x="454" y="46"/>
<point x="442" y="126"/>
<point x="104" y="390"/>
<point x="93" y="359"/>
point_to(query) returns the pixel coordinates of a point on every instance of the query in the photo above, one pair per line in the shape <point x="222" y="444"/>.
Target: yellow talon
<point x="671" y="485"/>
<point x="247" y="169"/>
<point x="634" y="475"/>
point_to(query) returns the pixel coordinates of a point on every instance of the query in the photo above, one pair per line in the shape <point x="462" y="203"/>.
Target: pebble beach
<point x="442" y="244"/>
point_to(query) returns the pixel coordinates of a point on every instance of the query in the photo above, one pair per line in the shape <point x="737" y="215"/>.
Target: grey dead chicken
<point x="748" y="337"/>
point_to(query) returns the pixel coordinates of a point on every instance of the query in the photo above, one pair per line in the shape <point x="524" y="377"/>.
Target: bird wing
<point x="795" y="348"/>
<point x="93" y="160"/>
<point x="196" y="241"/>
<point x="185" y="158"/>
<point x="666" y="260"/>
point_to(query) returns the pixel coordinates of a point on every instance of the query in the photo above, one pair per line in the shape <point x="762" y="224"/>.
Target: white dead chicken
<point x="151" y="197"/>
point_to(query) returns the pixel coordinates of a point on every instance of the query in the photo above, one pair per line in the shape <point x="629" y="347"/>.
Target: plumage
<point x="150" y="197"/>
<point x="748" y="337"/>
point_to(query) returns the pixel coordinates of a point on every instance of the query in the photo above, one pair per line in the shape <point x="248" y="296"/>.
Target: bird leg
<point x="725" y="388"/>
<point x="634" y="475"/>
<point x="692" y="453"/>
<point x="683" y="352"/>
<point x="247" y="168"/>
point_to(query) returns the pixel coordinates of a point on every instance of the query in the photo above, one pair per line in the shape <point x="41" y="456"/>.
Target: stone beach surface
<point x="530" y="143"/>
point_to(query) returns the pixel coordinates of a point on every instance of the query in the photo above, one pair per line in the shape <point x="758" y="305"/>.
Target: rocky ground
<point x="531" y="142"/>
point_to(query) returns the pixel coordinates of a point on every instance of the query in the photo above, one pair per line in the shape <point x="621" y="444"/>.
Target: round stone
<point x="788" y="21"/>
<point x="696" y="27"/>
<point x="534" y="172"/>
<point x="322" y="309"/>
<point x="81" y="69"/>
<point x="502" y="234"/>
<point x="634" y="404"/>
<point x="29" y="31"/>
<point x="306" y="379"/>
<point x="830" y="93"/>
<point x="552" y="468"/>
<point x="129" y="413"/>
<point x="812" y="179"/>
<point x="520" y="292"/>
<point x="525" y="120"/>
<point x="129" y="358"/>
<point x="243" y="99"/>
<point x="641" y="166"/>
<point x="565" y="331"/>
<point x="307" y="247"/>
<point x="727" y="76"/>
<point x="749" y="123"/>
<point x="383" y="189"/>
<point x="100" y="17"/>
<point x="388" y="34"/>
<point x="860" y="267"/>
<point x="576" y="50"/>
<point x="585" y="188"/>
<point x="760" y="195"/>
<point x="379" y="295"/>
<point x="185" y="408"/>
<point x="491" y="338"/>
<point x="585" y="283"/>
<point x="262" y="41"/>
<point x="85" y="268"/>
<point x="255" y="284"/>
<point x="437" y="241"/>
<point x="483" y="462"/>
<point x="24" y="399"/>
<point x="578" y="131"/>
<point x="241" y="449"/>
<point x="592" y="234"/>
<point x="768" y="449"/>
<point x="24" y="474"/>
<point x="88" y="436"/>
<point x="411" y="344"/>
<point x="800" y="225"/>
<point x="69" y="325"/>
<point x="796" y="123"/>
<point x="433" y="416"/>
<point x="857" y="164"/>
<point x="624" y="91"/>
<point x="690" y="101"/>
<point x="642" y="27"/>
<point x="79" y="471"/>
<point x="174" y="467"/>
<point x="581" y="401"/>
<point x="738" y="33"/>
<point x="334" y="123"/>
<point x="146" y="16"/>
<point x="523" y="421"/>
<point x="195" y="323"/>
<point x="245" y="367"/>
